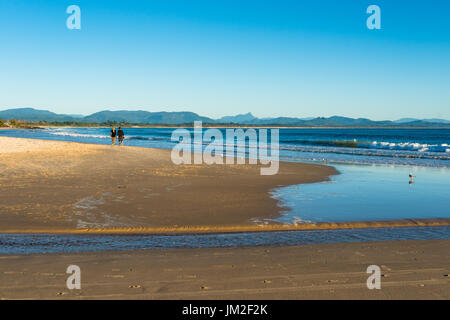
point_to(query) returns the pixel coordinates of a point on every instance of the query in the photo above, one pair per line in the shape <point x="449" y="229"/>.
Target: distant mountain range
<point x="135" y="117"/>
<point x="177" y="118"/>
<point x="434" y="120"/>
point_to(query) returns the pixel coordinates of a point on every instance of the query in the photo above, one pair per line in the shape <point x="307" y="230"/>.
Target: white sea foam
<point x="98" y="136"/>
<point x="412" y="146"/>
<point x="78" y="135"/>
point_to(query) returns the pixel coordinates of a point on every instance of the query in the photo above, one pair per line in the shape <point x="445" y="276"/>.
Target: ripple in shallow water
<point x="47" y="243"/>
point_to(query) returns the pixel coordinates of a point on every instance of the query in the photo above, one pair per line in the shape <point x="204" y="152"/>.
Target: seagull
<point x="411" y="175"/>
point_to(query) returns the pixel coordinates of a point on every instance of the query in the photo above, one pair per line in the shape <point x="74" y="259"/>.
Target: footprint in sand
<point x="332" y="281"/>
<point x="137" y="286"/>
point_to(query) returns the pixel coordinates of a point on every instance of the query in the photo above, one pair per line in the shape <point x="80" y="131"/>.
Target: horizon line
<point x="305" y="118"/>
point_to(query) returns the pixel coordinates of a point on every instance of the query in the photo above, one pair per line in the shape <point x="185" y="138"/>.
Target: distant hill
<point x="177" y="118"/>
<point x="437" y="120"/>
<point x="145" y="117"/>
<point x="77" y="116"/>
<point x="119" y="116"/>
<point x="434" y="120"/>
<point x="311" y="122"/>
<point x="405" y="120"/>
<point x="240" y="118"/>
<point x="33" y="115"/>
<point x="30" y="114"/>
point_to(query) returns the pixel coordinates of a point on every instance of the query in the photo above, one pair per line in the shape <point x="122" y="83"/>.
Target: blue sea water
<point x="370" y="193"/>
<point x="374" y="184"/>
<point x="417" y="147"/>
<point x="13" y="244"/>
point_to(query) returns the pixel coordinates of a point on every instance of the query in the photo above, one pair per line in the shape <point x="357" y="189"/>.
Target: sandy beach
<point x="53" y="185"/>
<point x="66" y="187"/>
<point x="410" y="270"/>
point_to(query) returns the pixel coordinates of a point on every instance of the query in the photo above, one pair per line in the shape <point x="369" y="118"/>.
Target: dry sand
<point x="51" y="186"/>
<point x="410" y="270"/>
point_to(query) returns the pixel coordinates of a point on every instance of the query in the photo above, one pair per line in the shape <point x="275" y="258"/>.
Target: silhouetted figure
<point x="113" y="136"/>
<point x="121" y="136"/>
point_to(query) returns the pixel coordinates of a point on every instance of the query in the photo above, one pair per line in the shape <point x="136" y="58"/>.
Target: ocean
<point x="416" y="147"/>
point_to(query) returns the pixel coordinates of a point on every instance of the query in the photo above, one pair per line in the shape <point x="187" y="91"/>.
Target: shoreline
<point x="276" y="227"/>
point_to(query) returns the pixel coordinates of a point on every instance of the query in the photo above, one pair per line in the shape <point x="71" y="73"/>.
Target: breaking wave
<point x="413" y="146"/>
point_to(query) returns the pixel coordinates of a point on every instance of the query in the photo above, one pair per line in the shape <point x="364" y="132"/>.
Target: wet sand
<point x="410" y="270"/>
<point x="54" y="186"/>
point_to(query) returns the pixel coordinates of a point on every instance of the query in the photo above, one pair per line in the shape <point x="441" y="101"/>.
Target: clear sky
<point x="224" y="57"/>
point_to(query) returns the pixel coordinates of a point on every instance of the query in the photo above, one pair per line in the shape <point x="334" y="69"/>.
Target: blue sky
<point x="223" y="57"/>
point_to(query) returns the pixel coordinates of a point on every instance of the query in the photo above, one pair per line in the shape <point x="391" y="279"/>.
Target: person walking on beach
<point x="121" y="136"/>
<point x="113" y="136"/>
